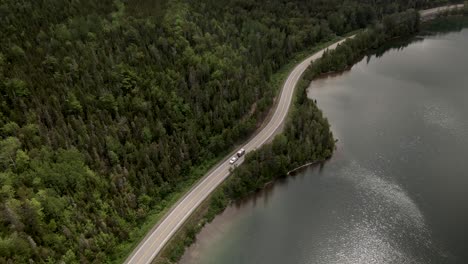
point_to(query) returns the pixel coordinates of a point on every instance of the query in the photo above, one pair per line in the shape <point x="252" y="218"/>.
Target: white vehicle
<point x="240" y="153"/>
<point x="233" y="160"/>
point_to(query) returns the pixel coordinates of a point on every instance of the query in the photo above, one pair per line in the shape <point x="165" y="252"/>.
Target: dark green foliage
<point x="346" y="54"/>
<point x="106" y="106"/>
<point x="307" y="138"/>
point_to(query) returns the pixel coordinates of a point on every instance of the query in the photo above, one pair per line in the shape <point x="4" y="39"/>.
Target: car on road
<point x="240" y="153"/>
<point x="233" y="160"/>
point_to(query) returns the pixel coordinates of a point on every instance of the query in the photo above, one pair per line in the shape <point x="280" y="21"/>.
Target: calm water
<point x="396" y="190"/>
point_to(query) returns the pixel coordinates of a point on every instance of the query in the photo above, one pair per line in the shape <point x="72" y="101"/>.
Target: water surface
<point x="396" y="189"/>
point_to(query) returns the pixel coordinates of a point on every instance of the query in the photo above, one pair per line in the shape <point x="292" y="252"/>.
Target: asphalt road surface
<point x="157" y="238"/>
<point x="430" y="13"/>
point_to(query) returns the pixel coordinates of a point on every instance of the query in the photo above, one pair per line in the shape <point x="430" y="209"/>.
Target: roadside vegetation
<point x="306" y="138"/>
<point x="110" y="109"/>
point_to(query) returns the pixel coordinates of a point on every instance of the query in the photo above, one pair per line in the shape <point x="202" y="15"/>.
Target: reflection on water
<point x="444" y="116"/>
<point x="394" y="191"/>
<point x="387" y="213"/>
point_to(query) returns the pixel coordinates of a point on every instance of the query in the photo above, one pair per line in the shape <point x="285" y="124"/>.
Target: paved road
<point x="155" y="240"/>
<point x="431" y="13"/>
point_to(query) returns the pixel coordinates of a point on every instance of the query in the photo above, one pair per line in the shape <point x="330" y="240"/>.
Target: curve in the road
<point x="429" y="13"/>
<point x="153" y="243"/>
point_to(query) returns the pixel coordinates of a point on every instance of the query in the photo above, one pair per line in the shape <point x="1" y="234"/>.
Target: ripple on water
<point x="385" y="223"/>
<point x="368" y="245"/>
<point x="385" y="199"/>
<point x="442" y="115"/>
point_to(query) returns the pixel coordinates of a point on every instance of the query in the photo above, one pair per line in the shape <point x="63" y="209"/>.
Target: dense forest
<point x="106" y="107"/>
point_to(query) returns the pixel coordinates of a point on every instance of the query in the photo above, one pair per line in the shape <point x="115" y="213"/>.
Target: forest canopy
<point x="106" y="107"/>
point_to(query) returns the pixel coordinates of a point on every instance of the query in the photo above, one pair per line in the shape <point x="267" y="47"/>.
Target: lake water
<point x="396" y="189"/>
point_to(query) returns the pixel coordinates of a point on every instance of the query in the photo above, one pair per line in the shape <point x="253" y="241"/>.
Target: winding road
<point x="157" y="238"/>
<point x="431" y="13"/>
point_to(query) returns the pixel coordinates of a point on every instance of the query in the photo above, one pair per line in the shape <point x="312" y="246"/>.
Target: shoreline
<point x="272" y="182"/>
<point x="288" y="173"/>
<point x="199" y="223"/>
<point x="233" y="220"/>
